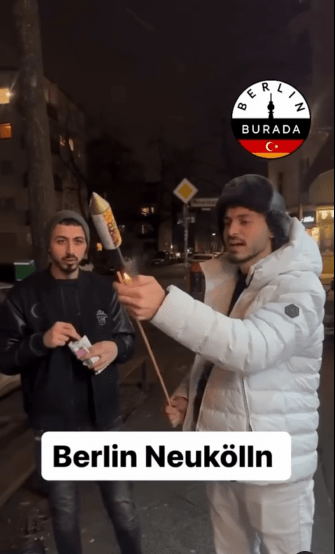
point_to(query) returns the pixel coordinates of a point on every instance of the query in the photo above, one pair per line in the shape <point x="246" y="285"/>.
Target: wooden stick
<point x="147" y="344"/>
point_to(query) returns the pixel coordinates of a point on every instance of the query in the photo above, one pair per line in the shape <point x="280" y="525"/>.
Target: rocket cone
<point x="98" y="204"/>
<point x="105" y="223"/>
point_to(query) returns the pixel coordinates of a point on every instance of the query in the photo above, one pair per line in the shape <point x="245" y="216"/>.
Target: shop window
<point x="326" y="214"/>
<point x="6" y="131"/>
<point x="5" y="96"/>
<point x="315" y="233"/>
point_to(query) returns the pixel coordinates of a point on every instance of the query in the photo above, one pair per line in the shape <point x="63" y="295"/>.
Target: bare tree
<point x="76" y="171"/>
<point x="36" y="125"/>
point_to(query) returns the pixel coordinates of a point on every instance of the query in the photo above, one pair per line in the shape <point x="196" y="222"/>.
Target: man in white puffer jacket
<point x="258" y="340"/>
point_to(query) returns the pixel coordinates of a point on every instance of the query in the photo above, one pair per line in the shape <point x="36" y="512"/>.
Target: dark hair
<point x="275" y="222"/>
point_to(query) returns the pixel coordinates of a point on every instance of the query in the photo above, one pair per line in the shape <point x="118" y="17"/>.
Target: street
<point x="174" y="516"/>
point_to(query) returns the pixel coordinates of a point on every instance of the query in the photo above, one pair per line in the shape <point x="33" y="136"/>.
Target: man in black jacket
<point x="37" y="320"/>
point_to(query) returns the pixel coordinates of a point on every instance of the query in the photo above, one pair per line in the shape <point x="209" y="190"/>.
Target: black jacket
<point x="31" y="308"/>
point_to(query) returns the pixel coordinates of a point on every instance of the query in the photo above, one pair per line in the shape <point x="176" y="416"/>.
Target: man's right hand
<point x="60" y="334"/>
<point x="176" y="412"/>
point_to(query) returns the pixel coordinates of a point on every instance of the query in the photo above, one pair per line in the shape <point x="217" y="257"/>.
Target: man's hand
<point x="107" y="352"/>
<point x="142" y="297"/>
<point x="59" y="334"/>
<point x="176" y="413"/>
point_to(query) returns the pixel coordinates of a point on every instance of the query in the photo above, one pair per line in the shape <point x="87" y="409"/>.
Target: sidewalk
<point x="174" y="516"/>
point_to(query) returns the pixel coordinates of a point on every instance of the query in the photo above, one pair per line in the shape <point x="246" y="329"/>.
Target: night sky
<point x="172" y="68"/>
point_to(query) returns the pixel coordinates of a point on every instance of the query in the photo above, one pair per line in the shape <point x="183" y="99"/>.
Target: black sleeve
<point x="18" y="347"/>
<point x="123" y="331"/>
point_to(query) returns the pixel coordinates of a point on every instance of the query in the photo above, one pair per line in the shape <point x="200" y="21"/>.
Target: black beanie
<point x="66" y="214"/>
<point x="256" y="193"/>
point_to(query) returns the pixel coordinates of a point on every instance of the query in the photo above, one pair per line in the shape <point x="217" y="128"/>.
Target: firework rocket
<point x="105" y="224"/>
<point x="110" y="237"/>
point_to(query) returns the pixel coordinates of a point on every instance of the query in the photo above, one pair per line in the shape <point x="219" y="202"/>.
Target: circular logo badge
<point x="271" y="119"/>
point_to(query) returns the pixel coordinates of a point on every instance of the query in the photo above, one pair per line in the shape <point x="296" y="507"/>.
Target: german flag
<point x="271" y="148"/>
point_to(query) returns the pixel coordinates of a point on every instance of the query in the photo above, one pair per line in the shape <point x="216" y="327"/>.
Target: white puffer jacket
<point x="266" y="355"/>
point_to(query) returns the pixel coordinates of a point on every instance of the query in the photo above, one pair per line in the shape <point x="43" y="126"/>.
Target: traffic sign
<point x="204" y="202"/>
<point x="185" y="191"/>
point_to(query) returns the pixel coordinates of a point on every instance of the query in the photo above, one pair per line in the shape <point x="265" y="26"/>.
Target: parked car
<point x="161" y="258"/>
<point x="202" y="257"/>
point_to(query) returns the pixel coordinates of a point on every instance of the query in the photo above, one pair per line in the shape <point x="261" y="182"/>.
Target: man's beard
<point x="235" y="259"/>
<point x="67" y="267"/>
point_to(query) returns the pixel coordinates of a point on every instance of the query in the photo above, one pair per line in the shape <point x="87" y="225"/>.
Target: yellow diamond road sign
<point x="185" y="191"/>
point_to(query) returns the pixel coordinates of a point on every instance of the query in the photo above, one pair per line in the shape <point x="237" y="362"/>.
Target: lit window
<point x="5" y="96"/>
<point x="66" y="142"/>
<point x="147" y="210"/>
<point x="326" y="214"/>
<point x="5" y="131"/>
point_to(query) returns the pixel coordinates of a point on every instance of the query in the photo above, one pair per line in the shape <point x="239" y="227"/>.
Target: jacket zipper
<point x="79" y="313"/>
<point x="249" y="428"/>
<point x="71" y="372"/>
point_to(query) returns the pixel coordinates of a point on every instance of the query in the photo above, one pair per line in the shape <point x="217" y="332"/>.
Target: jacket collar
<point x="301" y="253"/>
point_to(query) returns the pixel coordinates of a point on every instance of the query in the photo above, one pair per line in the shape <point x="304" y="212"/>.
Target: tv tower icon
<point x="271" y="108"/>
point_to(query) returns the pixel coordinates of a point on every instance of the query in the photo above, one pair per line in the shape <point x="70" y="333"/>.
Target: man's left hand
<point x="142" y="297"/>
<point x="107" y="352"/>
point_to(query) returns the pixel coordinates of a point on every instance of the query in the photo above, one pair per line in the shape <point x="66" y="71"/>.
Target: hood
<point x="300" y="254"/>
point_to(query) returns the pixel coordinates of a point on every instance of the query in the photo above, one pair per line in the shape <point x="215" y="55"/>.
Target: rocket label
<point x="105" y="223"/>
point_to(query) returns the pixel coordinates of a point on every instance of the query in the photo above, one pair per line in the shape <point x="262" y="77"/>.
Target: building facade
<point x="306" y="178"/>
<point x="68" y="136"/>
